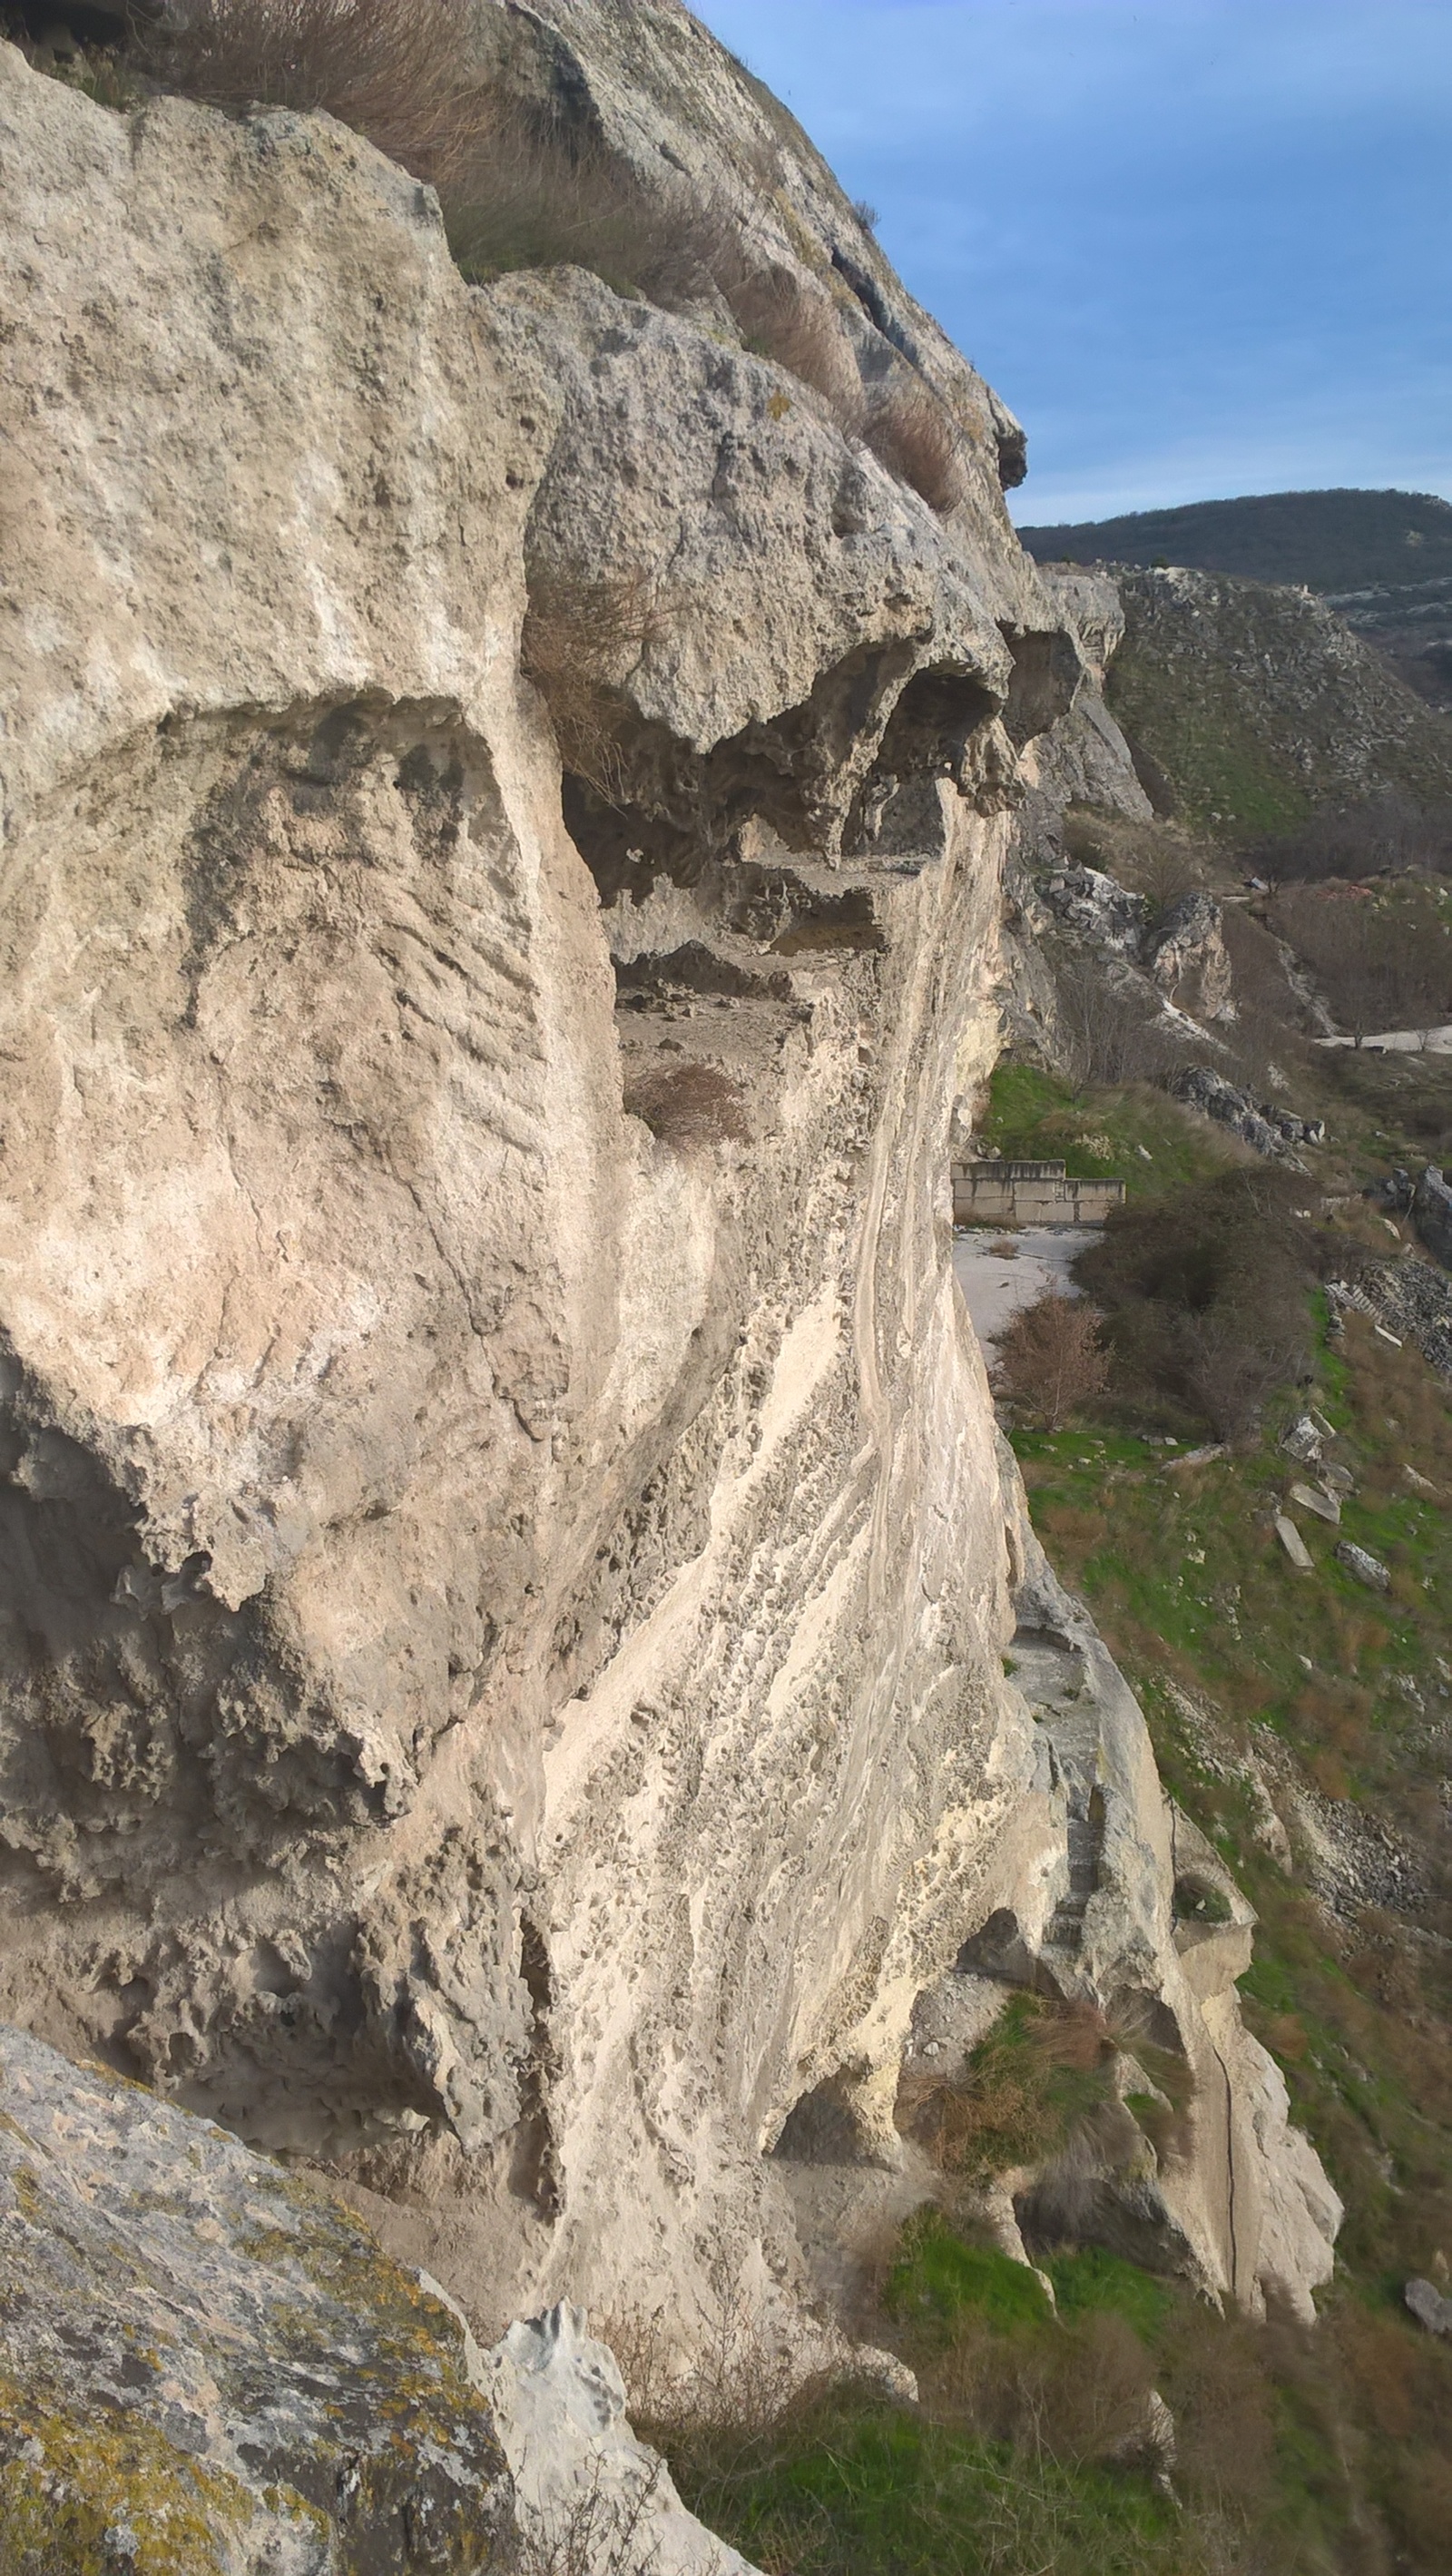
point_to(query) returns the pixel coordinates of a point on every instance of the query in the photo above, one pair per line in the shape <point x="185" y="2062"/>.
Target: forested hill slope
<point x="1330" y="541"/>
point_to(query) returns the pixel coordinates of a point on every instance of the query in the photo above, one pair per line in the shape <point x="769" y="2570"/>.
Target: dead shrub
<point x="1077" y="2394"/>
<point x="1215" y="2380"/>
<point x="395" y="70"/>
<point x="1106" y="1035"/>
<point x="1330" y="1774"/>
<point x="734" y="2385"/>
<point x="1205" y="1295"/>
<point x="781" y="318"/>
<point x="518" y="187"/>
<point x="909" y="431"/>
<point x="602" y="2532"/>
<point x="580" y="640"/>
<point x="646" y="2357"/>
<point x="1051" y="1359"/>
<point x="688" y="1105"/>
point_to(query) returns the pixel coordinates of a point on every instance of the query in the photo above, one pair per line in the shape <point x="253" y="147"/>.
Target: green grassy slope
<point x="1259" y="706"/>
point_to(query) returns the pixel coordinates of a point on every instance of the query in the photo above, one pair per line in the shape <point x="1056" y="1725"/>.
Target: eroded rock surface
<point x="504" y="1596"/>
<point x="207" y="2366"/>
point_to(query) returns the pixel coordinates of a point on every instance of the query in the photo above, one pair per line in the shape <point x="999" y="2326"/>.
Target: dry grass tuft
<point x="580" y="640"/>
<point x="528" y="195"/>
<point x="781" y="318"/>
<point x="395" y="70"/>
<point x="910" y="432"/>
<point x="518" y="189"/>
<point x="1024" y="2085"/>
<point x="688" y="1105"/>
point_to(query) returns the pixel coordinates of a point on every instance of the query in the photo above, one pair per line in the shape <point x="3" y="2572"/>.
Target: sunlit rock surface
<point x="504" y="1598"/>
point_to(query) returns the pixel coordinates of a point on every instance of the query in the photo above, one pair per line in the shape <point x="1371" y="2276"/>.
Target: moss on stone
<point x="79" y="2480"/>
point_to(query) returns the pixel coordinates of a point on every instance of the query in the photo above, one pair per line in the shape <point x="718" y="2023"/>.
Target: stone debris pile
<point x="1272" y="1131"/>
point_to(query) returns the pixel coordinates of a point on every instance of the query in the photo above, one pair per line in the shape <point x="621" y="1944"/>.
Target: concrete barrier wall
<point x="1029" y="1194"/>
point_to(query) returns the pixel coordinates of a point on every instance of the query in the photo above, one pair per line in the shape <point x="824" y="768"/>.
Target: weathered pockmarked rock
<point x="207" y="2365"/>
<point x="504" y="1566"/>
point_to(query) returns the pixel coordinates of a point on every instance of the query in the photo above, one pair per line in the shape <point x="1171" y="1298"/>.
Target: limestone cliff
<point x="505" y="1566"/>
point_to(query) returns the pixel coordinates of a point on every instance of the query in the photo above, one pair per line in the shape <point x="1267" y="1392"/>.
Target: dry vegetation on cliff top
<point x="522" y="184"/>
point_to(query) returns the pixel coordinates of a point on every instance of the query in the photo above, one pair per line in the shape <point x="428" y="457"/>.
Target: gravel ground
<point x="996" y="1287"/>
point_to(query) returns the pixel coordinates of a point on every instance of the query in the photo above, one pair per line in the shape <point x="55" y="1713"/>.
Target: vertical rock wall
<point x="503" y="1596"/>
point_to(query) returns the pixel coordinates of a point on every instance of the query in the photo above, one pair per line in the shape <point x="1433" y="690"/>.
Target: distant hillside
<point x="1331" y="541"/>
<point x="1248" y="708"/>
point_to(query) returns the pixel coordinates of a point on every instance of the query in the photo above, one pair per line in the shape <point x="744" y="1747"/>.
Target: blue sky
<point x="1202" y="247"/>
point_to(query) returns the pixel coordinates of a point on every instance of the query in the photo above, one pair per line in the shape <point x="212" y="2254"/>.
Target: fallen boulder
<point x="1272" y="1131"/>
<point x="210" y="2361"/>
<point x="1293" y="1543"/>
<point x="1302" y="1441"/>
<point x="1097" y="908"/>
<point x="1432" y="1213"/>
<point x="1367" y="1569"/>
<point x="1429" y="2307"/>
<point x="208" y="2367"/>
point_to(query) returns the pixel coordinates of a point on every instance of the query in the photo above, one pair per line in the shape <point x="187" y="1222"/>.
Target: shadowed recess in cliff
<point x="941" y="727"/>
<point x="791" y="774"/>
<point x="1048" y="670"/>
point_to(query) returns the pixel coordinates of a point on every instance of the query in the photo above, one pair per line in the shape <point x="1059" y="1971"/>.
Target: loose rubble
<point x="1272" y="1131"/>
<point x="1367" y="1569"/>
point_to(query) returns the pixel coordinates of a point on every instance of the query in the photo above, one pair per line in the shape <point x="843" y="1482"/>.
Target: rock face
<point x="1254" y="705"/>
<point x="503" y="1595"/>
<point x="206" y="2365"/>
<point x="1140" y="1918"/>
<point x="208" y="2368"/>
<point x="1272" y="1131"/>
<point x="1189" y="960"/>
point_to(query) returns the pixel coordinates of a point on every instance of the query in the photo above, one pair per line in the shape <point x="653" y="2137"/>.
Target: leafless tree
<point x="1382" y="962"/>
<point x="1051" y="1359"/>
<point x="1108" y="1031"/>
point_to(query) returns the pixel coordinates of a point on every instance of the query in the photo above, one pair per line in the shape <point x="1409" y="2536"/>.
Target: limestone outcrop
<point x="208" y="2367"/>
<point x="1141" y="1918"/>
<point x="504" y="1564"/>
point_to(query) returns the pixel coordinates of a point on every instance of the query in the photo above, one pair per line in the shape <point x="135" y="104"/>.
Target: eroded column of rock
<point x="503" y="1596"/>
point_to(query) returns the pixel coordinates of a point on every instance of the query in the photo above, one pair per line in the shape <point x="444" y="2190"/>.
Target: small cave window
<point x="1199" y="1900"/>
<point x="822" y="2129"/>
<point x="994" y="1951"/>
